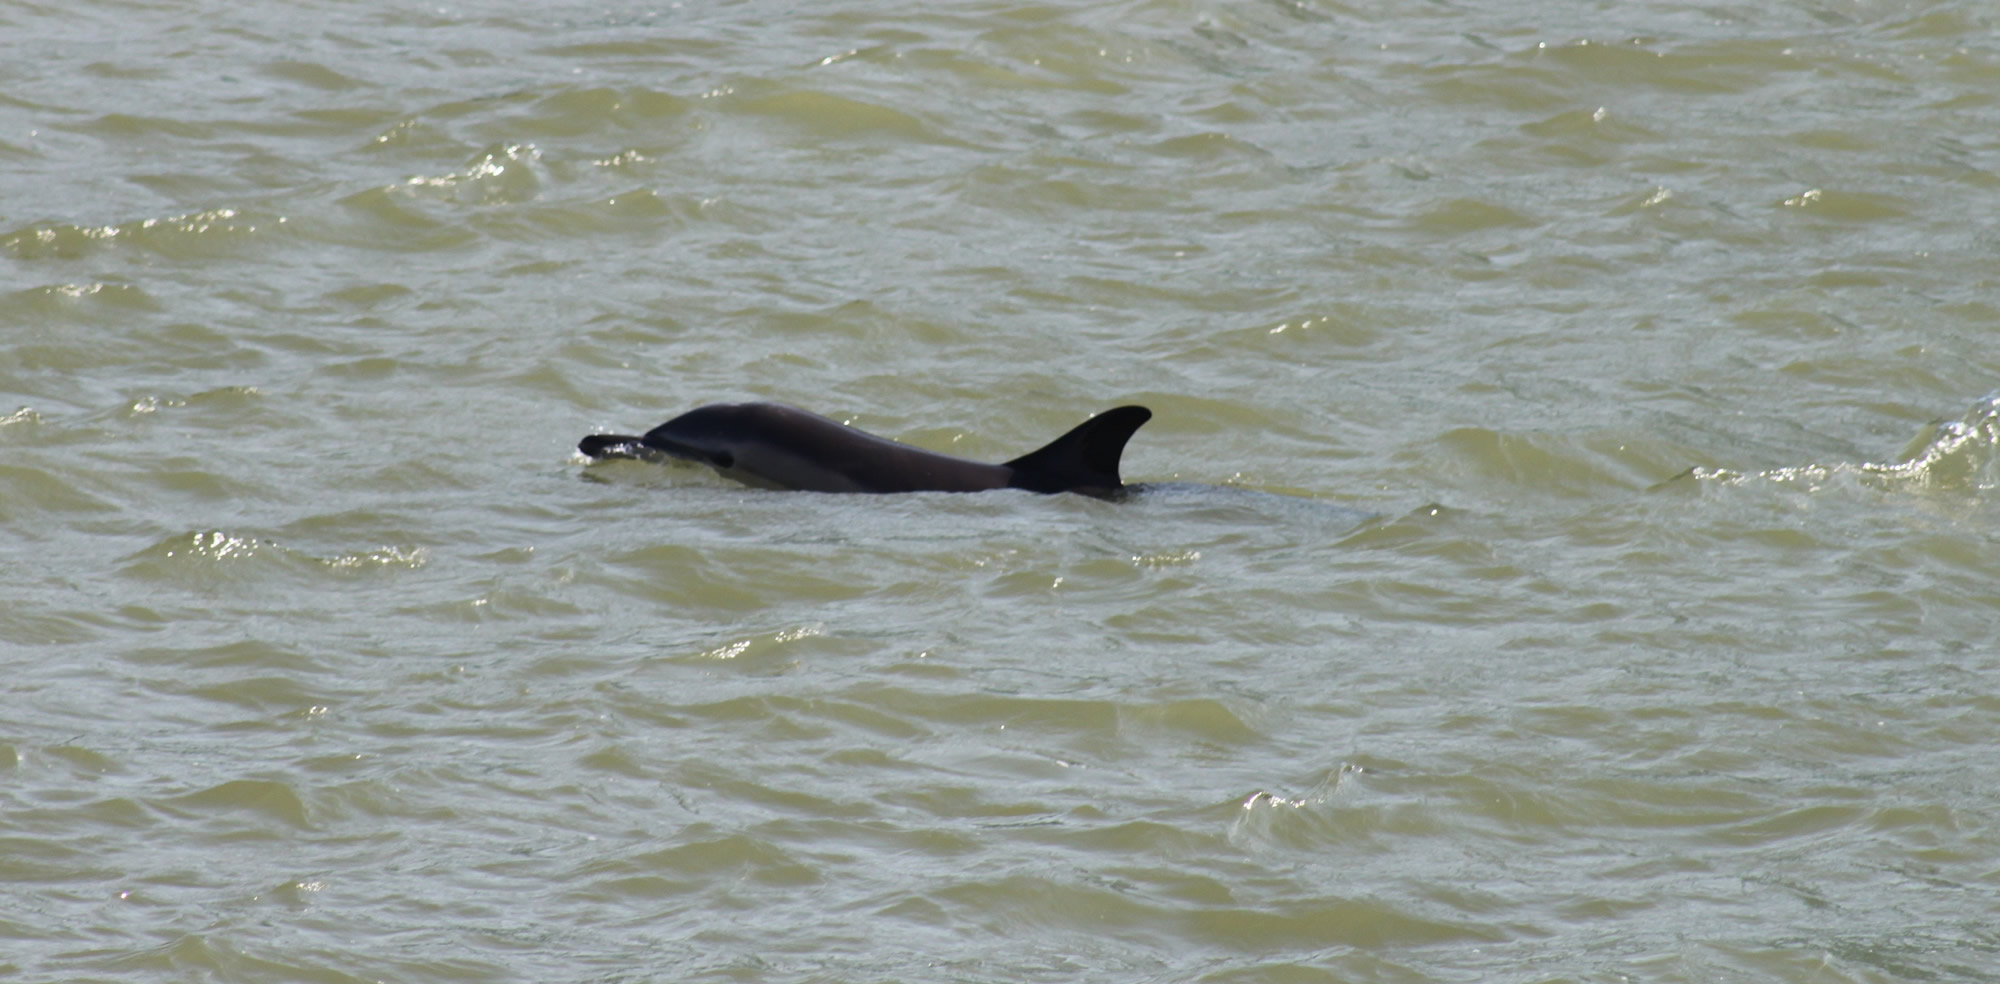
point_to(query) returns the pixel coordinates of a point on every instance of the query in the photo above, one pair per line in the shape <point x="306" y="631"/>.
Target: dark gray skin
<point x="775" y="446"/>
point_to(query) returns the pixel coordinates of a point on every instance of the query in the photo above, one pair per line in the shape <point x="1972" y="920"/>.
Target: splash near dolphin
<point x="771" y="445"/>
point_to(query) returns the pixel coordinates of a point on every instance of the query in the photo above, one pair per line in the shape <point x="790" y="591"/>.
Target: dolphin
<point x="772" y="445"/>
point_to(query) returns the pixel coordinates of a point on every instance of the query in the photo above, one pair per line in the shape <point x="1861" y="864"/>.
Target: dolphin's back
<point x="773" y="445"/>
<point x="839" y="458"/>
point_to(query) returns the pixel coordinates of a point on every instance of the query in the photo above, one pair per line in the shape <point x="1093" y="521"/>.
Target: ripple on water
<point x="30" y="491"/>
<point x="262" y="799"/>
<point x="208" y="235"/>
<point x="1961" y="455"/>
<point x="223" y="561"/>
<point x="78" y="303"/>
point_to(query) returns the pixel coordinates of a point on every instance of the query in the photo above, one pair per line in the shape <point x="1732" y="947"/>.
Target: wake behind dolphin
<point x="776" y="446"/>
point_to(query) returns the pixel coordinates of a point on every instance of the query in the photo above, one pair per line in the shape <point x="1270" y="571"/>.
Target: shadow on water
<point x="1234" y="502"/>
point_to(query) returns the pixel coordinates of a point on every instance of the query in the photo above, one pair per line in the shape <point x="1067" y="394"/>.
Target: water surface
<point x="1573" y="555"/>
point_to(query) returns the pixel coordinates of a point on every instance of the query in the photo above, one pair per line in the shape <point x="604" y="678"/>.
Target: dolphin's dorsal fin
<point x="1085" y="459"/>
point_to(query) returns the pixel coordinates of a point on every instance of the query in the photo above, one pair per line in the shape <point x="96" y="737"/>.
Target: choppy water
<point x="1602" y="582"/>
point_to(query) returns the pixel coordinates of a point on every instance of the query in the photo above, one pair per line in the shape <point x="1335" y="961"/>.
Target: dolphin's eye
<point x="722" y="459"/>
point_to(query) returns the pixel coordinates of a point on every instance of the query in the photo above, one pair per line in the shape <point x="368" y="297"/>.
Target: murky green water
<point x="1599" y="578"/>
